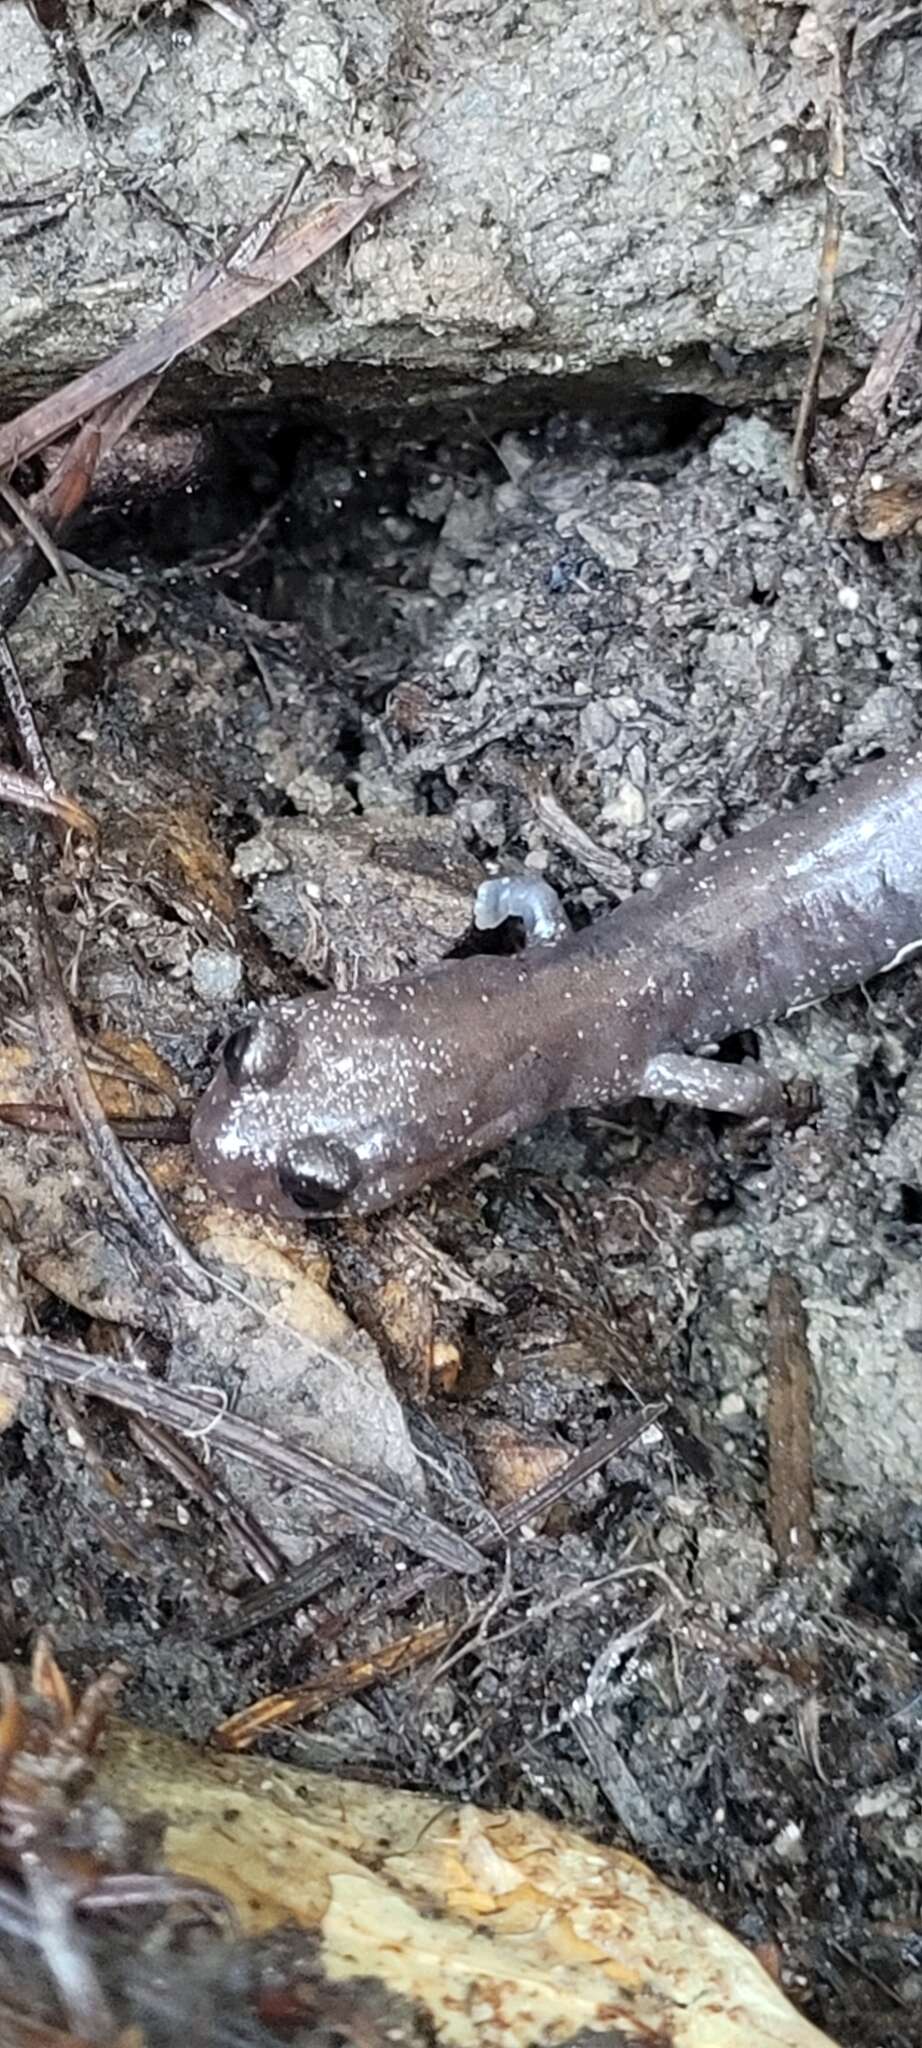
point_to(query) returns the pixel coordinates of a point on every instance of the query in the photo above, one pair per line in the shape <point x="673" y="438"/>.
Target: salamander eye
<point x="317" y="1176"/>
<point x="258" y="1054"/>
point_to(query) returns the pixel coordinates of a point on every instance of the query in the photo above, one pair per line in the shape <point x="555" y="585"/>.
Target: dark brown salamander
<point x="343" y="1103"/>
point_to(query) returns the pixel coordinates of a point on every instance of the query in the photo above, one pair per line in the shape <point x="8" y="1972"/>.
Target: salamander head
<point x="259" y="1138"/>
<point x="342" y="1103"/>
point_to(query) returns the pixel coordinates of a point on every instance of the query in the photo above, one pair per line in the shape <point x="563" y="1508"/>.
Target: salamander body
<point x="343" y="1103"/>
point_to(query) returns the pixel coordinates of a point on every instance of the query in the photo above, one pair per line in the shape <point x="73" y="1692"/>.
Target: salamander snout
<point x="262" y="1141"/>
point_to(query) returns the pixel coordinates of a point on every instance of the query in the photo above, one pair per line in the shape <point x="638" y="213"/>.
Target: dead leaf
<point x="512" y="1464"/>
<point x="302" y="1368"/>
<point x="180" y="845"/>
<point x="887" y="506"/>
<point x="131" y="1096"/>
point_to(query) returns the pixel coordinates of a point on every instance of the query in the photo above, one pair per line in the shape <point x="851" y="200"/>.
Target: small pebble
<point x="216" y="973"/>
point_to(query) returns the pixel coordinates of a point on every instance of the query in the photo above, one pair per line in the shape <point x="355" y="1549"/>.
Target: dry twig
<point x="228" y="289"/>
<point x="300" y="1584"/>
<point x="202" y="1413"/>
<point x="343" y="1682"/>
<point x="516" y="1515"/>
<point x="133" y="1191"/>
<point x="51" y="1119"/>
<point x="23" y="566"/>
<point x="30" y="796"/>
<point x="790" y="1448"/>
<point x="176" y="1458"/>
<point x="829" y="264"/>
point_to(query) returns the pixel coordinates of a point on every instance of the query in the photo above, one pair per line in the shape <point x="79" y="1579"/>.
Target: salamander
<point x="345" y="1102"/>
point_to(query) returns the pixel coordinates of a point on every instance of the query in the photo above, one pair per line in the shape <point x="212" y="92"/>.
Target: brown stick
<point x="27" y="795"/>
<point x="280" y="1709"/>
<point x="790" y="1448"/>
<point x="530" y="1507"/>
<point x="826" y="281"/>
<point x="49" y="1118"/>
<point x="23" y="566"/>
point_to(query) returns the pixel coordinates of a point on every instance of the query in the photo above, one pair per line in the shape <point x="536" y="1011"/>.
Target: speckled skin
<point x="344" y="1103"/>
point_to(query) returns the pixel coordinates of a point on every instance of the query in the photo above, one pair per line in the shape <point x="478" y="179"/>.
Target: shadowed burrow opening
<point x="343" y="530"/>
<point x="337" y="557"/>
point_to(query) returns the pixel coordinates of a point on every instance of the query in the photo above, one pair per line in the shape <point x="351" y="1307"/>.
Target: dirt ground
<point x="311" y="702"/>
<point x="549" y="605"/>
<point x="613" y="195"/>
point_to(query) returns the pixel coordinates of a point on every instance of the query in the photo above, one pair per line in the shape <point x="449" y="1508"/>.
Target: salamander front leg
<point x="536" y="905"/>
<point x="710" y="1084"/>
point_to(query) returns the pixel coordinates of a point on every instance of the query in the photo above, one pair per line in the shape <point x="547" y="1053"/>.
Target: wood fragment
<point x="440" y="1922"/>
<point x="23" y="566"/>
<point x="27" y="795"/>
<point x="790" y="1447"/>
<point x="889" y="506"/>
<point x="280" y="1709"/>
